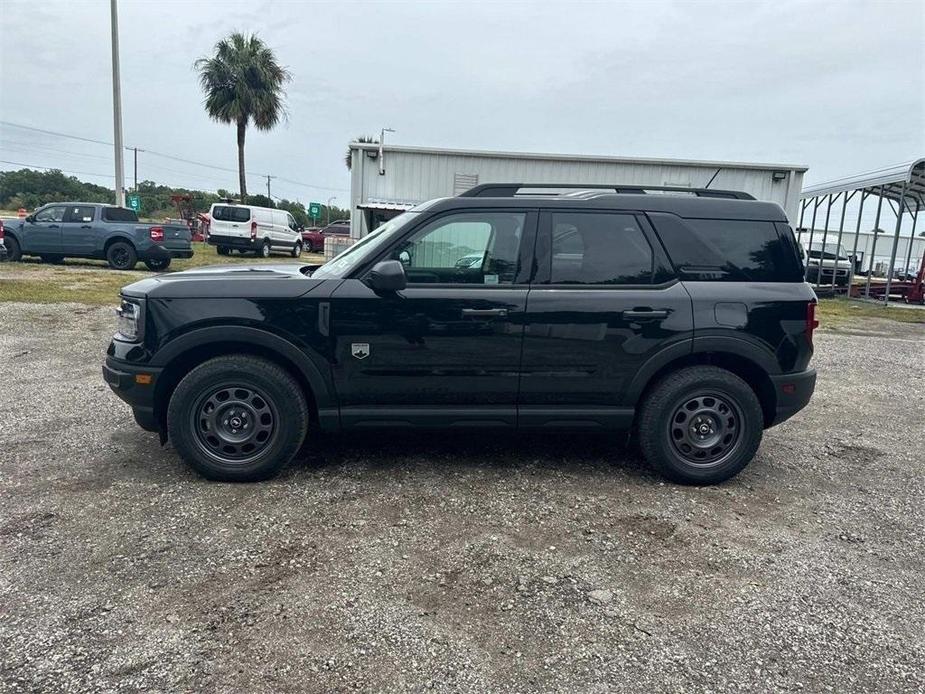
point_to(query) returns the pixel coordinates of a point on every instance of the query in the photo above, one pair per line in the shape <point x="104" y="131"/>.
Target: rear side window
<point x="728" y="250"/>
<point x="229" y="213"/>
<point x="598" y="248"/>
<point x="119" y="214"/>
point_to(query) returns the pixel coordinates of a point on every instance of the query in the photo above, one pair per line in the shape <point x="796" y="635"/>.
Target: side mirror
<point x="30" y="218"/>
<point x="387" y="276"/>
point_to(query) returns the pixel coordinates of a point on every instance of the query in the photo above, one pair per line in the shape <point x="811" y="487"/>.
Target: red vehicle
<point x="313" y="239"/>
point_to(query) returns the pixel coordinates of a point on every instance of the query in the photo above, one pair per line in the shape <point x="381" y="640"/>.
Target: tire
<point x="121" y="255"/>
<point x="13" y="252"/>
<point x="264" y="250"/>
<point x="297" y="250"/>
<point x="158" y="265"/>
<point x="237" y="390"/>
<point x="223" y="250"/>
<point x="722" y="425"/>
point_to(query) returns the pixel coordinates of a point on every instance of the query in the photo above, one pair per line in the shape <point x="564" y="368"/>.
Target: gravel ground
<point x="469" y="562"/>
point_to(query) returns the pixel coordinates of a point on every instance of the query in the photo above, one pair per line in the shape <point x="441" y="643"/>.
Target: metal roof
<point x="894" y="180"/>
<point x="578" y="157"/>
<point x="385" y="205"/>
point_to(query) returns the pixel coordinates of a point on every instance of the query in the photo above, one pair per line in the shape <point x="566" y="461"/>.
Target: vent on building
<point x="463" y="182"/>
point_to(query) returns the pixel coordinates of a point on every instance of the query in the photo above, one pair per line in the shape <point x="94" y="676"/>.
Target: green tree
<point x="243" y="84"/>
<point x="364" y="139"/>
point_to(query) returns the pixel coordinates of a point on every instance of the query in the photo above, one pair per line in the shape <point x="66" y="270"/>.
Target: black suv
<point x="682" y="317"/>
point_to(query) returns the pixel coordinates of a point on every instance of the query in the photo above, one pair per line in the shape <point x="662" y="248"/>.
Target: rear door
<point x="603" y="305"/>
<point x="446" y="350"/>
<point x="78" y="236"/>
<point x="230" y="220"/>
<point x="43" y="233"/>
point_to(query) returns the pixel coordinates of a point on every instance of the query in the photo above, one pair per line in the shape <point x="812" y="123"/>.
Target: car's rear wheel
<point x="297" y="250"/>
<point x="121" y="255"/>
<point x="222" y="250"/>
<point x="158" y="265"/>
<point x="13" y="251"/>
<point x="237" y="418"/>
<point x="264" y="250"/>
<point x="700" y="425"/>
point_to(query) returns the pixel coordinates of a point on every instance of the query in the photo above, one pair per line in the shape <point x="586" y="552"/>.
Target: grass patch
<point x="93" y="282"/>
<point x="838" y="311"/>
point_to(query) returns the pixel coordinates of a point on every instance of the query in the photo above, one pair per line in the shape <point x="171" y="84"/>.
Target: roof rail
<point x="510" y="190"/>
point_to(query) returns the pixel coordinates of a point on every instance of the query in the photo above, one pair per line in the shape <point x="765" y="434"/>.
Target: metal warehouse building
<point x="386" y="181"/>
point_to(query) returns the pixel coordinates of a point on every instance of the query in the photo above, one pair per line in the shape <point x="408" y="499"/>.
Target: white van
<point x="256" y="229"/>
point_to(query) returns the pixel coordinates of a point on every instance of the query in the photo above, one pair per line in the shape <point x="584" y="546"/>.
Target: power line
<point x="170" y="156"/>
<point x="55" y="168"/>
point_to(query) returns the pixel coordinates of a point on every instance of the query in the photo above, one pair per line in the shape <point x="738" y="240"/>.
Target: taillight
<point x="1" y="228"/>
<point x="253" y="230"/>
<point x="811" y="321"/>
<point x="157" y="234"/>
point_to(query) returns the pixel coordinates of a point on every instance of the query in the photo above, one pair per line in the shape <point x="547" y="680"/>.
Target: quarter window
<point x="471" y="248"/>
<point x="598" y="248"/>
<point x="51" y="214"/>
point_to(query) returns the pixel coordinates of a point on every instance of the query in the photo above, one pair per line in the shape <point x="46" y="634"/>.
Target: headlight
<point x="128" y="321"/>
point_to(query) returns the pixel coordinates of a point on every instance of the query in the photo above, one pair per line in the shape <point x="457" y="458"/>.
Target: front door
<point x="43" y="233"/>
<point x="603" y="304"/>
<point x="78" y="236"/>
<point x="446" y="350"/>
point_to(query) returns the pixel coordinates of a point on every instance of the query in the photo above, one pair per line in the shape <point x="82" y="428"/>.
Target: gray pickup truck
<point x="90" y="230"/>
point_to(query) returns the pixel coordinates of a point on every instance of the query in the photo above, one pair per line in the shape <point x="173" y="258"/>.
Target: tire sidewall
<point x="157" y="265"/>
<point x="297" y="250"/>
<point x="273" y="383"/>
<point x="672" y="391"/>
<point x="265" y="250"/>
<point x="13" y="250"/>
<point x="132" y="256"/>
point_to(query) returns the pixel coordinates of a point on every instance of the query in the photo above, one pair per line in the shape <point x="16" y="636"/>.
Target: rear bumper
<point x="121" y="377"/>
<point x="233" y="241"/>
<point x="159" y="252"/>
<point x="793" y="392"/>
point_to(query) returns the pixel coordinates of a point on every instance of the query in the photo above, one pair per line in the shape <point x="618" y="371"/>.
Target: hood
<point x="284" y="280"/>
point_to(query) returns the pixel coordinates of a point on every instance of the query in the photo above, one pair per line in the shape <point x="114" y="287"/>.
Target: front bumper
<point x="123" y="379"/>
<point x="159" y="252"/>
<point x="793" y="393"/>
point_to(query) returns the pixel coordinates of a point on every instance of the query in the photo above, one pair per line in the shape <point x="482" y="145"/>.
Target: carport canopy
<point x="892" y="182"/>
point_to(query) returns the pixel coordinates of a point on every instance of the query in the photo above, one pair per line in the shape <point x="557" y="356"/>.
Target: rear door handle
<point x="645" y="314"/>
<point x="86" y="226"/>
<point x="483" y="312"/>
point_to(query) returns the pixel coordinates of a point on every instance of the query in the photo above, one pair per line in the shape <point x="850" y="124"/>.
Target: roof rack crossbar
<point x="510" y="190"/>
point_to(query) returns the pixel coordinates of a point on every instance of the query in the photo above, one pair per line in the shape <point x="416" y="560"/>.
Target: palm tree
<point x="363" y="139"/>
<point x="243" y="84"/>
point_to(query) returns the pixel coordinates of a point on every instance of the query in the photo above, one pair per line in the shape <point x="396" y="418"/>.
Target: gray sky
<point x="836" y="86"/>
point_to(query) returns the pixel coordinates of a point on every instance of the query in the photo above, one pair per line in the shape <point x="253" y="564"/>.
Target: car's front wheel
<point x="700" y="425"/>
<point x="297" y="250"/>
<point x="237" y="418"/>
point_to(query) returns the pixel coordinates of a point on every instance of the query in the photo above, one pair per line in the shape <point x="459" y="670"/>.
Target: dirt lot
<point x="466" y="563"/>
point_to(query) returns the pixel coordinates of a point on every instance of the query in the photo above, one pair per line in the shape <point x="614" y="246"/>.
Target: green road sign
<point x="134" y="201"/>
<point x="314" y="210"/>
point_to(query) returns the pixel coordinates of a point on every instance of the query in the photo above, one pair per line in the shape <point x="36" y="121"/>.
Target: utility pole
<point x="117" y="106"/>
<point x="328" y="210"/>
<point x="268" y="186"/>
<point x="381" y="154"/>
<point x="135" y="188"/>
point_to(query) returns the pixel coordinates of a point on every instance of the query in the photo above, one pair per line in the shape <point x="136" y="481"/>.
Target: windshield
<point x="344" y="263"/>
<point x="830" y="251"/>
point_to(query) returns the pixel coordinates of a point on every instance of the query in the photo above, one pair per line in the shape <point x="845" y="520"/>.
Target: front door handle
<point x="85" y="226"/>
<point x="53" y="226"/>
<point x="645" y="314"/>
<point x="483" y="312"/>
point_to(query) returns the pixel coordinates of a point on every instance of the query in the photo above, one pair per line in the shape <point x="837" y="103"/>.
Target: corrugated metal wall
<point x="415" y="176"/>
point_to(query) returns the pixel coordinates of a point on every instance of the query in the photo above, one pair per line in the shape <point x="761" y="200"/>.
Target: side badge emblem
<point x="360" y="350"/>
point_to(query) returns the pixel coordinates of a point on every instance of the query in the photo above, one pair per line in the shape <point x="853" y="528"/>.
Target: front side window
<point x="79" y="214"/>
<point x="464" y="248"/>
<point x="598" y="248"/>
<point x="51" y="214"/>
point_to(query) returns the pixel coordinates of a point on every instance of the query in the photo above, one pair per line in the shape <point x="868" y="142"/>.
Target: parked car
<point x="339" y="227"/>
<point x="313" y="239"/>
<point x="259" y="230"/>
<point x="91" y="230"/>
<point x="685" y="319"/>
<point x="831" y="258"/>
